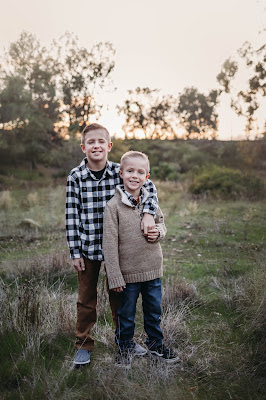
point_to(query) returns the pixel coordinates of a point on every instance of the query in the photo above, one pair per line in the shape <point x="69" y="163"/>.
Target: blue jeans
<point x="151" y="292"/>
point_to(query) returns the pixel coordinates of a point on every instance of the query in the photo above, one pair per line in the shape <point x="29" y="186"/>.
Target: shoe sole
<point x="80" y="365"/>
<point x="160" y="357"/>
<point x="140" y="354"/>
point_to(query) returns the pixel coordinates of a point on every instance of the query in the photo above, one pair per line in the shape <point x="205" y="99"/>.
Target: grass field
<point x="213" y="305"/>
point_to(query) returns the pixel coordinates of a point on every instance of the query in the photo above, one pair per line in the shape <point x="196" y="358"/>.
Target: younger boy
<point x="134" y="262"/>
<point x="89" y="186"/>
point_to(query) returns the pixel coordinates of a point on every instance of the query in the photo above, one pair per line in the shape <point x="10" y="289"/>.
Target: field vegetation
<point x="213" y="304"/>
<point x="212" y="194"/>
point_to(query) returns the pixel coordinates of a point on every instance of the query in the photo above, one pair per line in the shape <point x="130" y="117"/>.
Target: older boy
<point x="89" y="187"/>
<point x="134" y="263"/>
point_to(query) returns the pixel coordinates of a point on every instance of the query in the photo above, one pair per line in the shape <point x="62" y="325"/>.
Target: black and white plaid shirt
<point x="86" y="198"/>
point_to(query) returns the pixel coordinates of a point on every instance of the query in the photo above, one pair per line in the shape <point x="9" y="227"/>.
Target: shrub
<point x="226" y="183"/>
<point x="165" y="172"/>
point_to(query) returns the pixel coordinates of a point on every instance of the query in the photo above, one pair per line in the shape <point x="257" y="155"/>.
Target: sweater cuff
<point x="116" y="282"/>
<point x="161" y="233"/>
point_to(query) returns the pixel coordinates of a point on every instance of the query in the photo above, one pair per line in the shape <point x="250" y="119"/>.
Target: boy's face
<point x="96" y="146"/>
<point x="134" y="174"/>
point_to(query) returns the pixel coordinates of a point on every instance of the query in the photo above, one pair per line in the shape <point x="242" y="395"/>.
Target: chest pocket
<point x="86" y="198"/>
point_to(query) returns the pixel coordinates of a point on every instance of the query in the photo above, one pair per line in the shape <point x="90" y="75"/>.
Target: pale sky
<point x="167" y="44"/>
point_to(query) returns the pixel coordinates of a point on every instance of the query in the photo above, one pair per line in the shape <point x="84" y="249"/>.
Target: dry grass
<point x="30" y="200"/>
<point x="6" y="200"/>
<point x="32" y="306"/>
<point x="40" y="266"/>
<point x="216" y="324"/>
<point x="250" y="301"/>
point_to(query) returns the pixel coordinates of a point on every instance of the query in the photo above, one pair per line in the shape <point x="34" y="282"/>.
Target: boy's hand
<point x="78" y="264"/>
<point x="147" y="223"/>
<point x="153" y="235"/>
<point x="119" y="289"/>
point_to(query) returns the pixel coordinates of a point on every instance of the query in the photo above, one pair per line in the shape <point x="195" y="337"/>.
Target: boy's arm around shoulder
<point x="151" y="204"/>
<point x="150" y="208"/>
<point x="111" y="246"/>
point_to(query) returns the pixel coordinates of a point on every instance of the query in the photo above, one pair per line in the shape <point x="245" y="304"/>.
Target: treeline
<point x="175" y="159"/>
<point x="48" y="95"/>
<point x="220" y="169"/>
<point x="232" y="169"/>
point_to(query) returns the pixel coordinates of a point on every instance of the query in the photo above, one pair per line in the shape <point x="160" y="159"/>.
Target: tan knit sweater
<point x="129" y="257"/>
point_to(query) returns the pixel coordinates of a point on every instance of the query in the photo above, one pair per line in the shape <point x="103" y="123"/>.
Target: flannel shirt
<point x="86" y="198"/>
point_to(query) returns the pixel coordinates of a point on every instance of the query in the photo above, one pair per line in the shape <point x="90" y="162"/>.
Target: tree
<point x="228" y="71"/>
<point x="29" y="107"/>
<point x="46" y="93"/>
<point x="247" y="101"/>
<point x="147" y="112"/>
<point x="83" y="73"/>
<point x="197" y="113"/>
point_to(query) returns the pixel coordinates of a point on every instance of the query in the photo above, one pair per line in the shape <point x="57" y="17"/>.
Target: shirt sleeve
<point x="110" y="248"/>
<point x="151" y="204"/>
<point x="72" y="218"/>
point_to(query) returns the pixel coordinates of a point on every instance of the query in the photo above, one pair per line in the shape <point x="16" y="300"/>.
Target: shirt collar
<point x="86" y="172"/>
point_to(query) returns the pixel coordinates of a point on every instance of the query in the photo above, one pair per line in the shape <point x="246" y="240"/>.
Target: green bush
<point x="226" y="183"/>
<point x="165" y="172"/>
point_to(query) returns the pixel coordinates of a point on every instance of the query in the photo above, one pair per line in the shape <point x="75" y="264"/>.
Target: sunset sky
<point x="169" y="44"/>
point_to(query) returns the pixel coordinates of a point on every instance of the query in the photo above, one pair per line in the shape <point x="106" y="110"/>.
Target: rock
<point x="29" y="224"/>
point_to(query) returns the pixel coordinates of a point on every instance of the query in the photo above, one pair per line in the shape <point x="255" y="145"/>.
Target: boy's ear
<point x="147" y="176"/>
<point x="110" y="145"/>
<point x="82" y="147"/>
<point x="120" y="173"/>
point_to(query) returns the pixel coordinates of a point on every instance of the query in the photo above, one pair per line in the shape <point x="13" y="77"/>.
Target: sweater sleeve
<point x="159" y="223"/>
<point x="111" y="248"/>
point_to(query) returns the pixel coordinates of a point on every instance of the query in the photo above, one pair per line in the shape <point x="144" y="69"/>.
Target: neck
<point x="96" y="166"/>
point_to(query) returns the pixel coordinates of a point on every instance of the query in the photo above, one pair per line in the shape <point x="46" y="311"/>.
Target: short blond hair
<point x="94" y="127"/>
<point x="135" y="154"/>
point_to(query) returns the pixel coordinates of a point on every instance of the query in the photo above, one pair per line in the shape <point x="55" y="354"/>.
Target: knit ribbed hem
<point x="162" y="233"/>
<point x="144" y="276"/>
<point x="116" y="282"/>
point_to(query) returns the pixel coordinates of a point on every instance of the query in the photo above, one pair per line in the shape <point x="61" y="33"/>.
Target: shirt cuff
<point x="75" y="253"/>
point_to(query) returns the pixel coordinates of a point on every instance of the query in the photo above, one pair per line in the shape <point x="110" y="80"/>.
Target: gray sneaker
<point x="138" y="350"/>
<point x="82" y="358"/>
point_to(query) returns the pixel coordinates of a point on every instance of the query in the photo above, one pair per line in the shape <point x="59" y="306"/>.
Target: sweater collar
<point x="128" y="199"/>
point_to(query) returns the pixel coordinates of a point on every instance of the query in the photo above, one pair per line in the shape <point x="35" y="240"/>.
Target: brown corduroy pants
<point x="87" y="304"/>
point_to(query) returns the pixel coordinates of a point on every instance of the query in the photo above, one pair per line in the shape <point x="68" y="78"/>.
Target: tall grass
<point x="213" y="308"/>
<point x="6" y="201"/>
